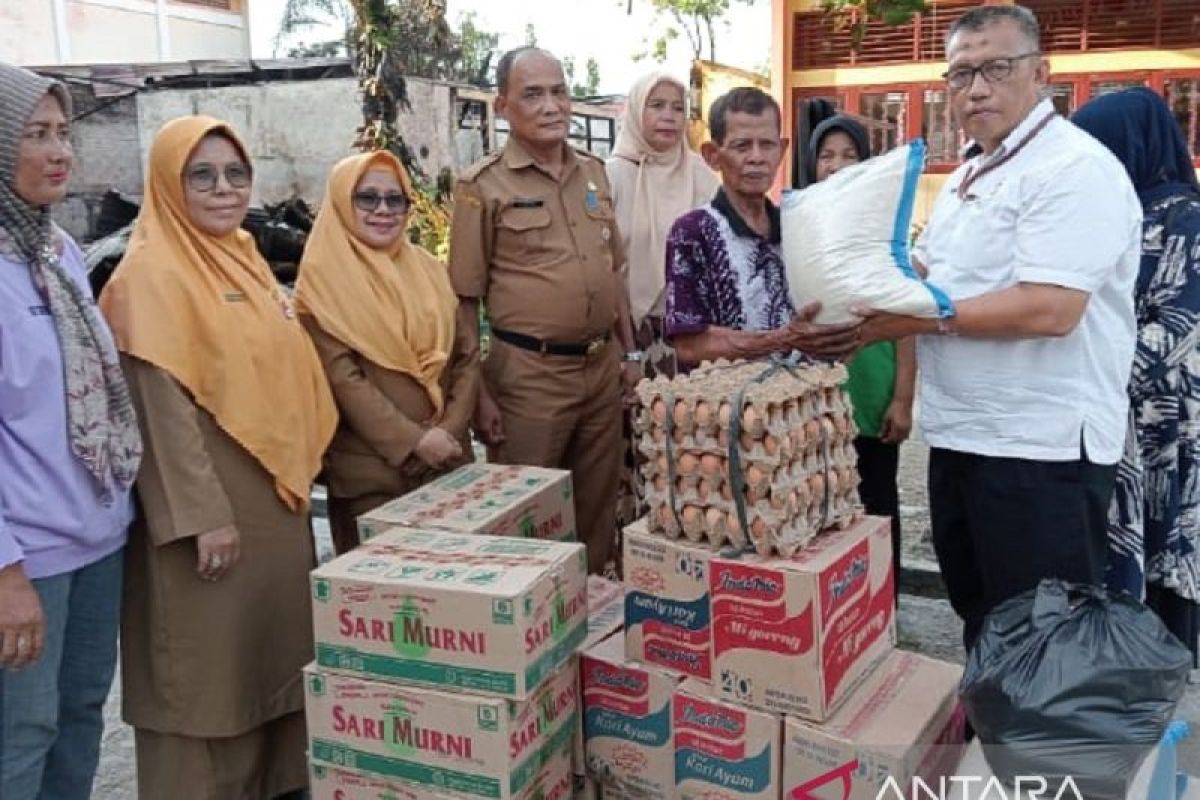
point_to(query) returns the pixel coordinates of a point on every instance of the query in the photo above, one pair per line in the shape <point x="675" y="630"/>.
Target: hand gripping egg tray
<point x="757" y="455"/>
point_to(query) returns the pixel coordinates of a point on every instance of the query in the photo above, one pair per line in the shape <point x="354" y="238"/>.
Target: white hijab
<point x="651" y="190"/>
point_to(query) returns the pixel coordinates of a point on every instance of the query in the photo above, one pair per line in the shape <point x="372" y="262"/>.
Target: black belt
<point x="537" y="345"/>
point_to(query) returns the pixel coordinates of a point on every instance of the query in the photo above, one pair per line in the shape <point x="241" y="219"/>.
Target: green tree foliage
<point x="698" y="20"/>
<point x="857" y="14"/>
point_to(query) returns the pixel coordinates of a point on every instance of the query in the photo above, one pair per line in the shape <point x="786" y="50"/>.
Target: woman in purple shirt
<point x="69" y="452"/>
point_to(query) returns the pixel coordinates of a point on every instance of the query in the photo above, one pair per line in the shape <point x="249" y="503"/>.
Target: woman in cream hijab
<point x="380" y="311"/>
<point x="235" y="414"/>
<point x="655" y="179"/>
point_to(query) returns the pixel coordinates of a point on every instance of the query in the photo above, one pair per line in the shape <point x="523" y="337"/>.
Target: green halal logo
<point x="528" y="529"/>
<point x="558" y="619"/>
<point x="399" y="723"/>
<point x="408" y="631"/>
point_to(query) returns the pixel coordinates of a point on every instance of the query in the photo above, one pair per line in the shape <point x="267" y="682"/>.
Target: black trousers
<point x="1001" y="525"/>
<point x="878" y="466"/>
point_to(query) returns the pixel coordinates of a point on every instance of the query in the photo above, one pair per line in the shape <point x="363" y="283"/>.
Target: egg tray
<point x="795" y="432"/>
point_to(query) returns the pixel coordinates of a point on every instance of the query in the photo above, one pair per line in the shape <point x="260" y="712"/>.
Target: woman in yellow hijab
<point x="235" y="414"/>
<point x="380" y="311"/>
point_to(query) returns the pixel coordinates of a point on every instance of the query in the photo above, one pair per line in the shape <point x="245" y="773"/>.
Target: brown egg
<point x="724" y="413"/>
<point x="661" y="463"/>
<point x="682" y="414"/>
<point x="714" y="520"/>
<point x="816" y="484"/>
<point x="751" y="419"/>
<point x="687" y="464"/>
<point x="812" y="431"/>
<point x="754" y="475"/>
<point x="703" y="414"/>
<point x="727" y="492"/>
<point x="759" y="529"/>
<point x="659" y="410"/>
<point x="771" y="445"/>
<point x="711" y="464"/>
<point x="703" y="489"/>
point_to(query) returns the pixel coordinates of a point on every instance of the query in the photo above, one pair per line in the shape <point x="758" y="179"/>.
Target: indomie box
<point x="627" y="722"/>
<point x="666" y="602"/>
<point x="530" y="502"/>
<point x="905" y="722"/>
<point x="487" y="614"/>
<point x="797" y="635"/>
<point x="464" y="745"/>
<point x="606" y="612"/>
<point x="723" y="751"/>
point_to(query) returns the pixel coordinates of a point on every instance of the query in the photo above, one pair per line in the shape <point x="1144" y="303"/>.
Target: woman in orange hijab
<point x="235" y="414"/>
<point x="381" y="313"/>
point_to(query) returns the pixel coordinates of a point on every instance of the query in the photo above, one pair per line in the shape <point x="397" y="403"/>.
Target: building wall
<point x="1083" y="72"/>
<point x="295" y="131"/>
<point x="119" y="31"/>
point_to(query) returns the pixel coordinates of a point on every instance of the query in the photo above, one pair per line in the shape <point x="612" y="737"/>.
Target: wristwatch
<point x="946" y="326"/>
<point x="634" y="357"/>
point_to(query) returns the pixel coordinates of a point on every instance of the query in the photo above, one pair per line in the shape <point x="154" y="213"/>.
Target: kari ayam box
<point x="467" y="746"/>
<point x="627" y="722"/>
<point x="667" y="619"/>
<point x="723" y="751"/>
<point x="485" y="614"/>
<point x="796" y="635"/>
<point x="904" y="723"/>
<point x="496" y="499"/>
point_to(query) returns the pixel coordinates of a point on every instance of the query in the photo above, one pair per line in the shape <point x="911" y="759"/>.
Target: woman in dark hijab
<point x="1154" y="522"/>
<point x="882" y="375"/>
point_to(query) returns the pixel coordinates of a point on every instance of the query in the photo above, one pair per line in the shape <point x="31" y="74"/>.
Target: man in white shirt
<point x="1023" y="390"/>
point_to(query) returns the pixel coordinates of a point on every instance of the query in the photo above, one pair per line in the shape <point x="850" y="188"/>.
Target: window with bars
<point x="1067" y="26"/>
<point x="218" y="5"/>
<point x="1183" y="96"/>
<point x="889" y="112"/>
<point x="943" y="136"/>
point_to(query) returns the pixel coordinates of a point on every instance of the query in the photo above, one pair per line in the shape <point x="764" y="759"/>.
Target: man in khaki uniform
<point x="534" y="237"/>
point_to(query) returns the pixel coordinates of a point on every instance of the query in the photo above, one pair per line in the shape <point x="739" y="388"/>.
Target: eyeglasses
<point x="994" y="70"/>
<point x="369" y="200"/>
<point x="204" y="177"/>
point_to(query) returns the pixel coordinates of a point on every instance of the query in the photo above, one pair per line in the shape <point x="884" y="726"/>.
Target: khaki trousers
<point x="565" y="412"/>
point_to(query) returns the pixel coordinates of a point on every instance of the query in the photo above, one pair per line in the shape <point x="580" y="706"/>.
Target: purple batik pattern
<point x="718" y="278"/>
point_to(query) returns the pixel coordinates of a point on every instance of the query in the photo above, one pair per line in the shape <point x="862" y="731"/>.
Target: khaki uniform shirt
<point x="543" y="253"/>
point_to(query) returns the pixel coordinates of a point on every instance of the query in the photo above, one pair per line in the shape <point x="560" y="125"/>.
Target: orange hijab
<point x="208" y="311"/>
<point x="394" y="307"/>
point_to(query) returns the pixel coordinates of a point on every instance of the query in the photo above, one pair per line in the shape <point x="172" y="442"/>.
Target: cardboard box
<point x="327" y="783"/>
<point x="330" y="783"/>
<point x="627" y="722"/>
<point x="485" y="614"/>
<point x="526" y="502"/>
<point x="667" y="618"/>
<point x="468" y="746"/>
<point x="606" y="613"/>
<point x="797" y="635"/>
<point x="905" y="722"/>
<point x="723" y="751"/>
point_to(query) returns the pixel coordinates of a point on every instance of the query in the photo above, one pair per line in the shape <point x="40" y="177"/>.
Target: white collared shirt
<point x="1062" y="211"/>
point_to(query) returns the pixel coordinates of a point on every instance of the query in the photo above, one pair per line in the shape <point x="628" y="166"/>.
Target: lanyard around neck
<point x="974" y="175"/>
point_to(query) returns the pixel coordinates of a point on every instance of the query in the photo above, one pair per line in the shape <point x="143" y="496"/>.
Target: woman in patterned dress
<point x="1154" y="522"/>
<point x="655" y="178"/>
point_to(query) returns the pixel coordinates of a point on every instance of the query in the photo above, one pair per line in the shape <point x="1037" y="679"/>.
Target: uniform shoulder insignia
<point x="472" y="172"/>
<point x="582" y="153"/>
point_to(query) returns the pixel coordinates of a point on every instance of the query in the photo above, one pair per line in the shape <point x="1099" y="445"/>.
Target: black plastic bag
<point x="1067" y="681"/>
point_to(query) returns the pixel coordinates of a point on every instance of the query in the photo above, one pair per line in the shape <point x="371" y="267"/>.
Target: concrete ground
<point x="925" y="624"/>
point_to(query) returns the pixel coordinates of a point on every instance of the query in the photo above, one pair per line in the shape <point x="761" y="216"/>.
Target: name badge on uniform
<point x="527" y="202"/>
<point x="591" y="199"/>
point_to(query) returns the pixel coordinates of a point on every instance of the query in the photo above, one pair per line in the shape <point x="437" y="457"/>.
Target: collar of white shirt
<point x="973" y="149"/>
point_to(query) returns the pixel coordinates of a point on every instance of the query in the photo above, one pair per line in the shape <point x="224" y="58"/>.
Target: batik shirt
<point x="1154" y="522"/>
<point x="720" y="272"/>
